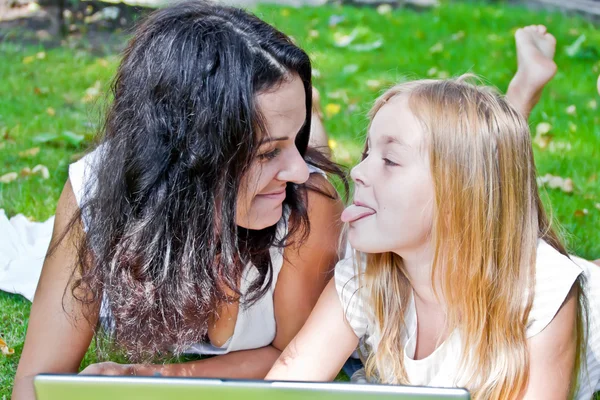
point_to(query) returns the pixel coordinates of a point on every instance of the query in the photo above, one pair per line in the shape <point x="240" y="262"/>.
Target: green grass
<point x="45" y="95"/>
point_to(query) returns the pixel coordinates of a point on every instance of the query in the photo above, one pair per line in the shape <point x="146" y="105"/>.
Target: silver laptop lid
<point x="72" y="387"/>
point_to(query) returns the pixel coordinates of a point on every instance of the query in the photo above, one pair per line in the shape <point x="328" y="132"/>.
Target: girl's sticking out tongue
<point x="353" y="213"/>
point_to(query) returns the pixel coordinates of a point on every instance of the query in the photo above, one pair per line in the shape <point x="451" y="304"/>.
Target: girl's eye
<point x="269" y="155"/>
<point x="389" y="163"/>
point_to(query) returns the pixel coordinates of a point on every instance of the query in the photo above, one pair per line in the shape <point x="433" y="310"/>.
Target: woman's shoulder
<point x="82" y="173"/>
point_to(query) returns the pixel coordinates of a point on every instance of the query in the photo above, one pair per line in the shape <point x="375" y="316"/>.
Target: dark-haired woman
<point x="202" y="222"/>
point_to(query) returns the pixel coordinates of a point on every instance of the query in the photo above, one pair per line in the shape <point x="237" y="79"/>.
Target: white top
<point x="255" y="325"/>
<point x="555" y="275"/>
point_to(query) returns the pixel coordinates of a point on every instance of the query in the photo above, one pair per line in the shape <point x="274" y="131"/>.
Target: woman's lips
<point x="354" y="212"/>
<point x="279" y="196"/>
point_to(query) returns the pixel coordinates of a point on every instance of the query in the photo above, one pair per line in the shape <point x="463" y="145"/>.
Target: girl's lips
<point x="355" y="212"/>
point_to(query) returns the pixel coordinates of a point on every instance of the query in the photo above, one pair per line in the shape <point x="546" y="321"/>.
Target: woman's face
<point x="263" y="188"/>
<point x="393" y="193"/>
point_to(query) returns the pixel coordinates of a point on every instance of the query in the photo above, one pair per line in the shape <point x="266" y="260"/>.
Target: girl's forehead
<point x="395" y="123"/>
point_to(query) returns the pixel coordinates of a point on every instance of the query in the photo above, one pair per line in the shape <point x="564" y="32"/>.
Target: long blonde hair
<point x="487" y="221"/>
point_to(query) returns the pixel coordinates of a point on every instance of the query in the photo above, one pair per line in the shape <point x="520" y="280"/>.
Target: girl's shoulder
<point x="555" y="275"/>
<point x="348" y="287"/>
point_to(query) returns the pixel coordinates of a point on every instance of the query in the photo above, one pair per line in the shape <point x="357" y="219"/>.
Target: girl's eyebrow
<point x="389" y="139"/>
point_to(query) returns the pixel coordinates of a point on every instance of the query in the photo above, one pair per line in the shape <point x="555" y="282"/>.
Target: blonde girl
<point x="457" y="278"/>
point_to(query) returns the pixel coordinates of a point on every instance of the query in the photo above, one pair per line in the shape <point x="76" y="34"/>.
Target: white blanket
<point x="23" y="246"/>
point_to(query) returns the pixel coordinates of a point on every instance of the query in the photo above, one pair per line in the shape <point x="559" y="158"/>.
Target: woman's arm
<point x="306" y="270"/>
<point x="57" y="338"/>
<point x="321" y="347"/>
<point x="552" y="354"/>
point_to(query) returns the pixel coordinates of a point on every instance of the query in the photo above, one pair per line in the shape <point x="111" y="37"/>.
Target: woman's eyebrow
<point x="273" y="139"/>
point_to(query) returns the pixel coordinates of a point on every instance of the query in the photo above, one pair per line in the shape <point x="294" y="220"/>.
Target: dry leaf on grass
<point x="92" y="92"/>
<point x="542" y="137"/>
<point x="571" y="110"/>
<point x="581" y="213"/>
<point x="592" y="104"/>
<point x="384" y="9"/>
<point x="556" y="182"/>
<point x="29" y="152"/>
<point x="8" y="178"/>
<point x="436" y="48"/>
<point x="5" y="349"/>
<point x="42" y="170"/>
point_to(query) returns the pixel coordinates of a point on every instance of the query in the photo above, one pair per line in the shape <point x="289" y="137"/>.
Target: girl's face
<point x="394" y="194"/>
<point x="263" y="188"/>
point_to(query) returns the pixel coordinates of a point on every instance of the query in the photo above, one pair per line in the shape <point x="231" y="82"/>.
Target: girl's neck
<point x="418" y="265"/>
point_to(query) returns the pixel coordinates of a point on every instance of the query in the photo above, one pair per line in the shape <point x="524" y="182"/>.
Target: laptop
<point x="75" y="387"/>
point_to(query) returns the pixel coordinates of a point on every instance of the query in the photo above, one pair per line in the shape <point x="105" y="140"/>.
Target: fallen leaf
<point x="29" y="152"/>
<point x="332" y="109"/>
<point x="335" y="20"/>
<point x="5" y="349"/>
<point x="571" y="110"/>
<point x="458" y="35"/>
<point x="41" y="55"/>
<point x="592" y="178"/>
<point x="581" y="213"/>
<point x="556" y="182"/>
<point x="436" y="48"/>
<point x="41" y="91"/>
<point x="542" y="141"/>
<point x="8" y="178"/>
<point x="374" y="84"/>
<point x="554" y="147"/>
<point x="25" y="171"/>
<point x="340" y="94"/>
<point x="574" y="47"/>
<point x="350" y="69"/>
<point x="443" y="75"/>
<point x="572" y="127"/>
<point x="592" y="104"/>
<point x="432" y="71"/>
<point x="28" y="59"/>
<point x="542" y="128"/>
<point x="41" y="170"/>
<point x="92" y="92"/>
<point x="384" y="9"/>
<point x="50" y="111"/>
<point x="332" y="144"/>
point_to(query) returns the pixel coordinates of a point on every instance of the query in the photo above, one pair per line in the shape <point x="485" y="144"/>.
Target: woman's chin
<point x="262" y="220"/>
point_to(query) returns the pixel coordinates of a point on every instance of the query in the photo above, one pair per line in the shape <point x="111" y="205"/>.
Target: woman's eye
<point x="269" y="155"/>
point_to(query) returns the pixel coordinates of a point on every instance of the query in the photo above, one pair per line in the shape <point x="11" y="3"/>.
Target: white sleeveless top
<point x="255" y="325"/>
<point x="555" y="275"/>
